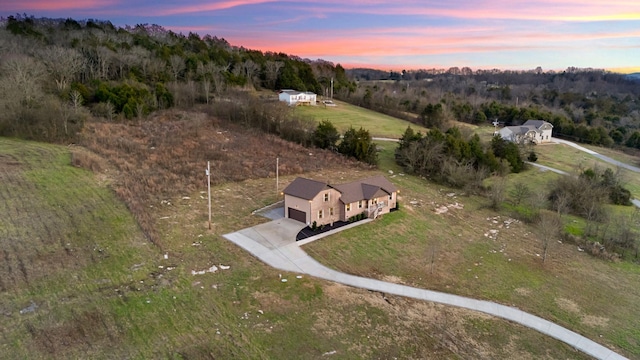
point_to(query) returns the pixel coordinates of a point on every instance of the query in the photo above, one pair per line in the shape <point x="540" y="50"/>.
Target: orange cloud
<point x="415" y="41"/>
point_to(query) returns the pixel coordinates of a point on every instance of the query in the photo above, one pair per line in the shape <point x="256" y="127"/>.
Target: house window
<point x="326" y="197"/>
<point x="320" y="214"/>
<point x="330" y="211"/>
<point x="348" y="207"/>
<point x="360" y="204"/>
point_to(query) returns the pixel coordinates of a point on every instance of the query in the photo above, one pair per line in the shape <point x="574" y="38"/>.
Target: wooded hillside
<point x="55" y="74"/>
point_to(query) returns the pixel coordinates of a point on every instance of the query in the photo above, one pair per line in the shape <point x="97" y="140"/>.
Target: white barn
<point x="293" y="97"/>
<point x="535" y="131"/>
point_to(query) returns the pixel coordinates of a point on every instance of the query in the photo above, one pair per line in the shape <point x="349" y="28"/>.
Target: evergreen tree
<point x="359" y="144"/>
<point x="325" y="136"/>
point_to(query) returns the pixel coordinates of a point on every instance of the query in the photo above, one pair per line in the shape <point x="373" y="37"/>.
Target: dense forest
<point x="58" y="73"/>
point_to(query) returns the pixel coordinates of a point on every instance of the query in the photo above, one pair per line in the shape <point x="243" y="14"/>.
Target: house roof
<point x="536" y="123"/>
<point x="295" y="92"/>
<point x="305" y="188"/>
<point x="523" y="129"/>
<point x="365" y="189"/>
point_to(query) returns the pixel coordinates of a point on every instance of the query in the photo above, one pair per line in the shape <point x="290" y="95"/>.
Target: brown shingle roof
<point x="365" y="189"/>
<point x="305" y="188"/>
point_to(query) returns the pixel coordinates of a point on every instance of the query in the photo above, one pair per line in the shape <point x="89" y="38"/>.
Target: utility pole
<point x="208" y="172"/>
<point x="331" y="88"/>
<point x="277" y="175"/>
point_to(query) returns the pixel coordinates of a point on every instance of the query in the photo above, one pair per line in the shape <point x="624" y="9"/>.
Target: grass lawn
<point x="472" y="251"/>
<point x="569" y="159"/>
<point x="345" y="115"/>
<point x="81" y="280"/>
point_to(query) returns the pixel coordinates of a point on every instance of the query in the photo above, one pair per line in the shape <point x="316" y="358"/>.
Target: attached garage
<point x="297" y="215"/>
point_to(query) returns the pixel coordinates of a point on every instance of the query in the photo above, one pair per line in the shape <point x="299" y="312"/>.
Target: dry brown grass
<point x="167" y="155"/>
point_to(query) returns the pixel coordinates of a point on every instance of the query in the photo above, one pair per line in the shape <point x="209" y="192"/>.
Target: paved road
<point x="599" y="156"/>
<point x="274" y="243"/>
<point x="547" y="168"/>
<point x="635" y="202"/>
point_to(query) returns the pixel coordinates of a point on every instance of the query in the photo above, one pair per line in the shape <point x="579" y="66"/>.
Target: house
<point x="293" y="97"/>
<point x="308" y="200"/>
<point x="534" y="131"/>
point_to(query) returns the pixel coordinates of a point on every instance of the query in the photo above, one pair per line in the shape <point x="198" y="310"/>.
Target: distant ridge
<point x="633" y="76"/>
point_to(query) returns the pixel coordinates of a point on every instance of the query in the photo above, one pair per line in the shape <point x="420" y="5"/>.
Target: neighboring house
<point x="293" y="97"/>
<point x="535" y="131"/>
<point x="309" y="200"/>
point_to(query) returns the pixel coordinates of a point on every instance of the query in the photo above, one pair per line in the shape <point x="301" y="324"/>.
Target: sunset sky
<point x="408" y="34"/>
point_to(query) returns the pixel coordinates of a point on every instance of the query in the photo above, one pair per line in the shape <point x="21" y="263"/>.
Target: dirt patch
<point x="523" y="291"/>
<point x="568" y="305"/>
<point x="393" y="279"/>
<point x="80" y="333"/>
<point x="595" y="321"/>
<point x="589" y="320"/>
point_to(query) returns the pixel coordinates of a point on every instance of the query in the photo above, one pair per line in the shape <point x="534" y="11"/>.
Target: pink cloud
<point x="550" y="10"/>
<point x="209" y="6"/>
<point x="416" y="41"/>
<point x="47" y="5"/>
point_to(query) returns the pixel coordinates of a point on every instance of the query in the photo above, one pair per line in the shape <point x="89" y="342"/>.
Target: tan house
<point x="532" y="131"/>
<point x="309" y="200"/>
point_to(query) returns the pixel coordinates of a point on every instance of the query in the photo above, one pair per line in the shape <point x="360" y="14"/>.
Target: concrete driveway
<point x="274" y="234"/>
<point x="274" y="243"/>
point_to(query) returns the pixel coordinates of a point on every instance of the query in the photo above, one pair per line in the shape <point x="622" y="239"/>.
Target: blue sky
<point x="411" y="34"/>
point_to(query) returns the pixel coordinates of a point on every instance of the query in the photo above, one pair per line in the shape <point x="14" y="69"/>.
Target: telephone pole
<point x="208" y="172"/>
<point x="331" y="88"/>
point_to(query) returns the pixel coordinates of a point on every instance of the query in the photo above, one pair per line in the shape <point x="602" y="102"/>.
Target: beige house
<point x="309" y="200"/>
<point x="532" y="131"/>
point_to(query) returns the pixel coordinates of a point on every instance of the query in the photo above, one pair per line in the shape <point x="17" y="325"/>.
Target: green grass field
<point x="345" y="115"/>
<point x="457" y="252"/>
<point x="80" y="280"/>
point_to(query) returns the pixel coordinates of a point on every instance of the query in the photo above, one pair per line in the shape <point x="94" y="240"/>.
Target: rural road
<point x="607" y="159"/>
<point x="274" y="243"/>
<point x="599" y="156"/>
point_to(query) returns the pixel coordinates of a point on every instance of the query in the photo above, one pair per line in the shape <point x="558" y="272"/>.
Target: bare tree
<point x="250" y="70"/>
<point x="205" y="72"/>
<point x="272" y="69"/>
<point x="549" y="227"/>
<point x="497" y="192"/>
<point x="21" y="80"/>
<point x="65" y="114"/>
<point x="76" y="100"/>
<point x="520" y="192"/>
<point x="177" y="65"/>
<point x="63" y="64"/>
<point x="561" y="203"/>
<point x="140" y="111"/>
<point x="218" y="79"/>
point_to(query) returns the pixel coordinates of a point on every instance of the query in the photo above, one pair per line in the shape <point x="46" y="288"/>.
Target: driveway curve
<point x="274" y="243"/>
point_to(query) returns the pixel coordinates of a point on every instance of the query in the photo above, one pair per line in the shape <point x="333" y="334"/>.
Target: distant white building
<point x="293" y="97"/>
<point x="533" y="131"/>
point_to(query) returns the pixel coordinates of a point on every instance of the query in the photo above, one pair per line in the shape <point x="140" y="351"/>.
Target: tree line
<point x="585" y="105"/>
<point x="55" y="74"/>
